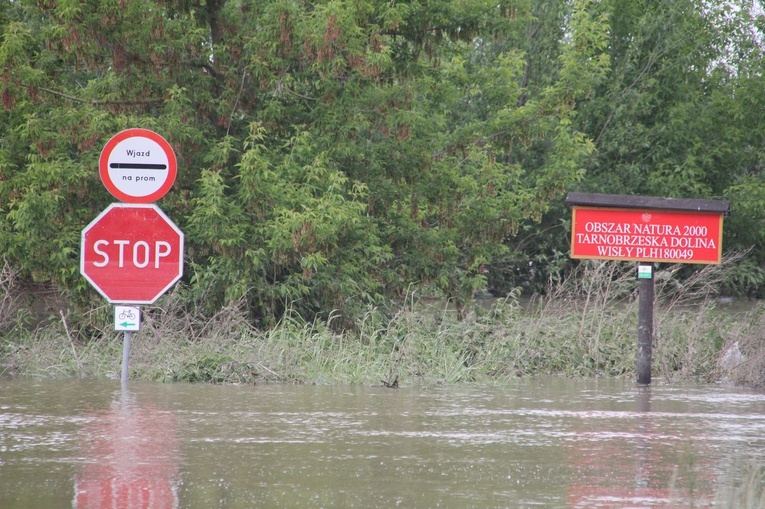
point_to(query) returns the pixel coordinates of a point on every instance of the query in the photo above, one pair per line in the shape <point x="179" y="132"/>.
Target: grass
<point x="584" y="326"/>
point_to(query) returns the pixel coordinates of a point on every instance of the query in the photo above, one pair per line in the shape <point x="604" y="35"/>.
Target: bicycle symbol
<point x="126" y="314"/>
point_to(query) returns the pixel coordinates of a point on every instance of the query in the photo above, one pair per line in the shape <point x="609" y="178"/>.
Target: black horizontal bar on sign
<point x="137" y="166"/>
<point x="647" y="202"/>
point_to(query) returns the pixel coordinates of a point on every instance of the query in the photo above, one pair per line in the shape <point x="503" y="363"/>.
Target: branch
<point x="94" y="102"/>
<point x="478" y="141"/>
<point x="307" y="98"/>
<point x="282" y="88"/>
<point x="236" y="103"/>
<point x="207" y="67"/>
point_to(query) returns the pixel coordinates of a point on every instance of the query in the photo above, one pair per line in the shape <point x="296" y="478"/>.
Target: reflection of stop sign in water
<point x="131" y="458"/>
<point x="132" y="253"/>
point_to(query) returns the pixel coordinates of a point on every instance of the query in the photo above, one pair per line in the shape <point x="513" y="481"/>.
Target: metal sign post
<point x="126" y="357"/>
<point x="126" y="319"/>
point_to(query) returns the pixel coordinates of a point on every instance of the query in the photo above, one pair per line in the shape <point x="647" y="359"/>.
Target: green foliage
<point x="335" y="153"/>
<point x="331" y="153"/>
<point x="679" y="112"/>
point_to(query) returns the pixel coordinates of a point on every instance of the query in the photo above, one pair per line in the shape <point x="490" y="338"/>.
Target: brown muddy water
<point x="546" y="442"/>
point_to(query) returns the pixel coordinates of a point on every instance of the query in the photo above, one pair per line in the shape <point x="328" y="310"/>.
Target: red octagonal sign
<point x="132" y="253"/>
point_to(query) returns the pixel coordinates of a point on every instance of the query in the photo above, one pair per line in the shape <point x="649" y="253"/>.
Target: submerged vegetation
<point x="584" y="326"/>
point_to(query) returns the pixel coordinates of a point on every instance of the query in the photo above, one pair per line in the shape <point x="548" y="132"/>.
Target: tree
<point x="331" y="154"/>
<point x="679" y="112"/>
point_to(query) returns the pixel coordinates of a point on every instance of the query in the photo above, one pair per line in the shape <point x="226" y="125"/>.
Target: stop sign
<point x="132" y="253"/>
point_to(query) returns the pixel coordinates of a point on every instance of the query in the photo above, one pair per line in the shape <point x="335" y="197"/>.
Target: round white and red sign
<point x="132" y="253"/>
<point x="138" y="166"/>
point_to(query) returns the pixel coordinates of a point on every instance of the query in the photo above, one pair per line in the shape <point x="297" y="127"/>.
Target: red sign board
<point x="138" y="166"/>
<point x="132" y="253"/>
<point x="646" y="235"/>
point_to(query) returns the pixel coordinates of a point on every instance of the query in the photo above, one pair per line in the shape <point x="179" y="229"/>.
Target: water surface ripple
<point x="547" y="442"/>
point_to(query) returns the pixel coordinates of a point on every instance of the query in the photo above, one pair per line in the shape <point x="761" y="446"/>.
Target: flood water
<point x="547" y="442"/>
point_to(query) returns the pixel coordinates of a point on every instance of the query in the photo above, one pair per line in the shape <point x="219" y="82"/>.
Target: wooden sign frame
<point x="646" y="235"/>
<point x="646" y="229"/>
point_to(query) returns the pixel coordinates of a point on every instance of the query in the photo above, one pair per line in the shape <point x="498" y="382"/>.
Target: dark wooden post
<point x="645" y="323"/>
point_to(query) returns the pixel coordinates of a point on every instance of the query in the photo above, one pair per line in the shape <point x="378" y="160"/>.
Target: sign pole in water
<point x="646" y="230"/>
<point x="645" y="323"/>
<point x="126" y="357"/>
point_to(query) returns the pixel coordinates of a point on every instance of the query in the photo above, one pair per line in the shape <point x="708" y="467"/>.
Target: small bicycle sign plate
<point x="127" y="318"/>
